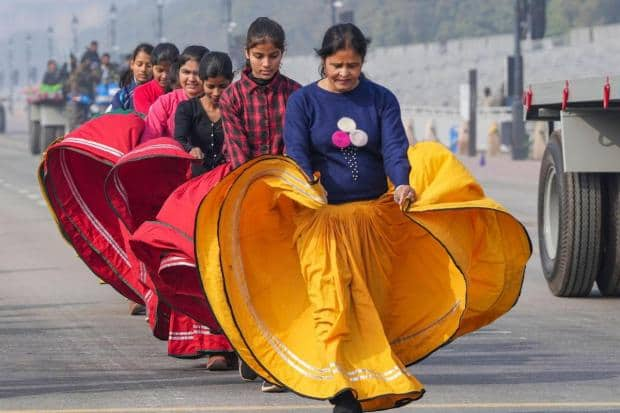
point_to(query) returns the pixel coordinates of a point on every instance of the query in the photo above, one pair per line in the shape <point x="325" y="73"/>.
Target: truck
<point x="46" y="116"/>
<point x="579" y="184"/>
<point x="2" y="117"/>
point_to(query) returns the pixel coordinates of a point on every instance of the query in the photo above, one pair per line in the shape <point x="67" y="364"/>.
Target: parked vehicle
<point x="103" y="98"/>
<point x="2" y="118"/>
<point x="579" y="186"/>
<point x="46" y="117"/>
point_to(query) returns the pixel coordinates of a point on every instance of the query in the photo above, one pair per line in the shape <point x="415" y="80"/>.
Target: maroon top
<point x="145" y="95"/>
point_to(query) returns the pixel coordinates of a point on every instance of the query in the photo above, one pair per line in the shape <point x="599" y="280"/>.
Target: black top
<point x="258" y="81"/>
<point x="194" y="128"/>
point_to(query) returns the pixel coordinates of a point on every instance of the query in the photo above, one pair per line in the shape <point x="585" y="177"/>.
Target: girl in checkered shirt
<point x="253" y="107"/>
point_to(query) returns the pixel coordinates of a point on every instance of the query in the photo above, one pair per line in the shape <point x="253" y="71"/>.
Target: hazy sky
<point x="18" y="16"/>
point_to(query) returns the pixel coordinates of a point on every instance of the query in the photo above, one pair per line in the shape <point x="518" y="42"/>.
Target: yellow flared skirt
<point x="323" y="298"/>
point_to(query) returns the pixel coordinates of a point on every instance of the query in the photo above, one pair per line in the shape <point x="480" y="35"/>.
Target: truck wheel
<point x="60" y="131"/>
<point x="569" y="224"/>
<point x="2" y="119"/>
<point x="34" y="140"/>
<point x="49" y="134"/>
<point x="608" y="279"/>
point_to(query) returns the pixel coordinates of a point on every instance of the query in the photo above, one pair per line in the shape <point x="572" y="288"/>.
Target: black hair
<point x="142" y="47"/>
<point x="193" y="52"/>
<point x="340" y="37"/>
<point x="173" y="76"/>
<point x="214" y="64"/>
<point x="264" y="30"/>
<point x="164" y="52"/>
<point x="127" y="75"/>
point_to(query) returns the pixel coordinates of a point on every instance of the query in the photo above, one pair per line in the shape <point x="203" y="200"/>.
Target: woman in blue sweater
<point x="347" y="127"/>
<point x="327" y="271"/>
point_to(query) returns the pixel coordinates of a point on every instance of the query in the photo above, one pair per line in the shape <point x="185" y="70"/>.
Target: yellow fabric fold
<point x="322" y="298"/>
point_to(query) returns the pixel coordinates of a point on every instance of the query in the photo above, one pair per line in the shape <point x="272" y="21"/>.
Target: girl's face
<point x="141" y="67"/>
<point x="264" y="60"/>
<point x="160" y="73"/>
<point x="189" y="80"/>
<point x="343" y="70"/>
<point x="213" y="88"/>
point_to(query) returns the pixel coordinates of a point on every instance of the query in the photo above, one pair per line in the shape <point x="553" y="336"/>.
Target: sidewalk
<point x="503" y="169"/>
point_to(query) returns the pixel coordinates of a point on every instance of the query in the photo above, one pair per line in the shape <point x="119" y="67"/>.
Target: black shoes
<point x="346" y="402"/>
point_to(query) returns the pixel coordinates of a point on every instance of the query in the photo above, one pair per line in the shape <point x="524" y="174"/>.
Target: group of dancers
<point x="290" y="232"/>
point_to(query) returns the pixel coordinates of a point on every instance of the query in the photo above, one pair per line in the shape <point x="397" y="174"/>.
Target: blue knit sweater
<point x="354" y="139"/>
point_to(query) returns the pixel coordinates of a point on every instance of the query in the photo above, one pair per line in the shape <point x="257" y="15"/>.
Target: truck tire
<point x="2" y="119"/>
<point x="34" y="138"/>
<point x="49" y="134"/>
<point x="608" y="279"/>
<point x="569" y="224"/>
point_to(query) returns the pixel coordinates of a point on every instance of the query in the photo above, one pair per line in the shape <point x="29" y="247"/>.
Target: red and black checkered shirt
<point x="253" y="117"/>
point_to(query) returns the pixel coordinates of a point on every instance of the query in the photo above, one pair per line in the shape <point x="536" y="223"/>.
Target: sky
<point x="35" y="16"/>
<point x="20" y="18"/>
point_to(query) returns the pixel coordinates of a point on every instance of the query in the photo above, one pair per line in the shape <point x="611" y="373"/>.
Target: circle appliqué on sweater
<point x="348" y="138"/>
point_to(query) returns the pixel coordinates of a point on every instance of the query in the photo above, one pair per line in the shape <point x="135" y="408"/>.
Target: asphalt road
<point x="67" y="343"/>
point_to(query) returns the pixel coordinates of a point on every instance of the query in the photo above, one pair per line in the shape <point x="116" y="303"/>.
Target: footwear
<point x="232" y="360"/>
<point x="269" y="387"/>
<point x="346" y="402"/>
<point x="246" y="373"/>
<point x="217" y="362"/>
<point x="136" y="309"/>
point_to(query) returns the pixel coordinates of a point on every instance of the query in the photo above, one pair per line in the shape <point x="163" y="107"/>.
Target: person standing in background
<point x="81" y="93"/>
<point x="109" y="70"/>
<point x="91" y="55"/>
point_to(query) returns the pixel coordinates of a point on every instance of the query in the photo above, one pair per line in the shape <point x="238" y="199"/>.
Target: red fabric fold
<point x="166" y="246"/>
<point x="72" y="176"/>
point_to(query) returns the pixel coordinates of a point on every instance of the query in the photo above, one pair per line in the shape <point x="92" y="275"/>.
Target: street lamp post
<point x="74" y="33"/>
<point x="113" y="18"/>
<point x="160" y="20"/>
<point x="230" y="25"/>
<point x="28" y="51"/>
<point x="10" y="77"/>
<point x="50" y="42"/>
<point x="519" y="146"/>
<point x="335" y="5"/>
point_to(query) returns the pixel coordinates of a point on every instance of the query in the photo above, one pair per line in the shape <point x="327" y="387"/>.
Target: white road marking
<point x="493" y="332"/>
<point x="293" y="407"/>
